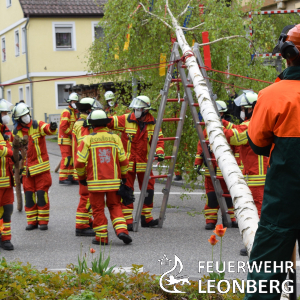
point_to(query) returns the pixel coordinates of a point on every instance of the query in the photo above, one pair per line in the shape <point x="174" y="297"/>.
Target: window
<point x="17" y="43"/>
<point x="21" y="95"/>
<point x="64" y="36"/>
<point x="61" y="95"/>
<point x="28" y="96"/>
<point x="23" y="41"/>
<point x="3" y="49"/>
<point x="98" y="31"/>
<point x="8" y="3"/>
<point x="9" y="95"/>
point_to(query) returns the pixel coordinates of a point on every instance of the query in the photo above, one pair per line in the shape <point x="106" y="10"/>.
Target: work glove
<point x="160" y="157"/>
<point x="83" y="182"/>
<point x="124" y="180"/>
<point x="6" y="137"/>
<point x="197" y="168"/>
<point x="53" y="125"/>
<point x="126" y="194"/>
<point x="13" y="159"/>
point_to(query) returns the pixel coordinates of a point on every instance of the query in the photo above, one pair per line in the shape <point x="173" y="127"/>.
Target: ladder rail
<point x="158" y="124"/>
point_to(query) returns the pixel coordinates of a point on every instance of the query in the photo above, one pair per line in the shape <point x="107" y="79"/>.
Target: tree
<point x="150" y="38"/>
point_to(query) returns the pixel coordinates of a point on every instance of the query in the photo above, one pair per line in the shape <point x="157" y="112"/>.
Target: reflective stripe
<point x="99" y="228"/>
<point x="256" y="183"/>
<point x="39" y="168"/>
<point x="116" y="220"/>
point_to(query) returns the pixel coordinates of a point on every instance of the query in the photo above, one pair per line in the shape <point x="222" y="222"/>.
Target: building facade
<point x="45" y="41"/>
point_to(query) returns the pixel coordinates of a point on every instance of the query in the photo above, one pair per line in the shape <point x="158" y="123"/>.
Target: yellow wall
<point x="14" y="66"/>
<point x="10" y="15"/>
<point x="42" y="54"/>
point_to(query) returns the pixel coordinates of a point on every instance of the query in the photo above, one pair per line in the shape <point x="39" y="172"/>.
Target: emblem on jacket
<point x="104" y="155"/>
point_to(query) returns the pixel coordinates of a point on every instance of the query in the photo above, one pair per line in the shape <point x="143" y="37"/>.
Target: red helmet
<point x="294" y="36"/>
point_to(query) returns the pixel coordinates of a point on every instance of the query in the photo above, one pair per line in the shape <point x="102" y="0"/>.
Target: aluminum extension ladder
<point x="187" y="100"/>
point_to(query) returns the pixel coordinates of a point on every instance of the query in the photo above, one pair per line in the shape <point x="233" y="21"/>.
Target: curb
<point x="115" y="270"/>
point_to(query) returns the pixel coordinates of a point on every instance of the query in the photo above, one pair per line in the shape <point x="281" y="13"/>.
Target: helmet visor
<point x="5" y="105"/>
<point x="138" y="103"/>
<point x="221" y="108"/>
<point x="242" y="100"/>
<point x="97" y="104"/>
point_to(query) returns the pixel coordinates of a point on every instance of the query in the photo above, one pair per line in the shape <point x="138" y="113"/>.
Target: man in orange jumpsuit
<point x="274" y="131"/>
<point x="6" y="176"/>
<point x="101" y="164"/>
<point x="255" y="166"/>
<point x="80" y="130"/>
<point x="67" y="119"/>
<point x="212" y="206"/>
<point x="137" y="130"/>
<point x="37" y="178"/>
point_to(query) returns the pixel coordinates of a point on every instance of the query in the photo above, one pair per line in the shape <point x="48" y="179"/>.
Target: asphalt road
<point x="183" y="234"/>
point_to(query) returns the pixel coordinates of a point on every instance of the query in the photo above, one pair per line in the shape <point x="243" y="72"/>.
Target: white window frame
<point x="2" y="53"/>
<point x="8" y="3"/>
<point x="56" y="92"/>
<point x="17" y="48"/>
<point x="23" y="40"/>
<point x="28" y="96"/>
<point x="8" y="92"/>
<point x="94" y="24"/>
<point x="21" y="93"/>
<point x="73" y="35"/>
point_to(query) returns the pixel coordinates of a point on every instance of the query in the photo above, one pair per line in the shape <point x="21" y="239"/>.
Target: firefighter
<point x="36" y="177"/>
<point x="274" y="132"/>
<point x="101" y="165"/>
<point x="6" y="176"/>
<point x="137" y="130"/>
<point x="80" y="130"/>
<point x="111" y="104"/>
<point x="212" y="206"/>
<point x="67" y="119"/>
<point x="255" y="166"/>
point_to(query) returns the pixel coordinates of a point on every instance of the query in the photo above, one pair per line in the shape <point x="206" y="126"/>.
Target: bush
<point x="19" y="281"/>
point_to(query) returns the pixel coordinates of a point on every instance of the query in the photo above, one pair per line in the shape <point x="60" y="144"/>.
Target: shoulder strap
<point x="15" y="131"/>
<point x="35" y="124"/>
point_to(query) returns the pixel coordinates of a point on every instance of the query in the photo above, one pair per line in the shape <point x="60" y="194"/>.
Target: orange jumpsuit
<point x="6" y="182"/>
<point x="101" y="160"/>
<point x="137" y="138"/>
<point x="67" y="119"/>
<point x="37" y="178"/>
<point x="84" y="212"/>
<point x="255" y="166"/>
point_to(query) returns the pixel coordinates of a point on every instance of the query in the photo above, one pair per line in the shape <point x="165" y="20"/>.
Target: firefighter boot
<point x="125" y="238"/>
<point x="234" y="224"/>
<point x="210" y="226"/>
<point x="31" y="227"/>
<point x="130" y="227"/>
<point x="243" y="252"/>
<point x="85" y="232"/>
<point x="7" y="245"/>
<point x="178" y="178"/>
<point x="152" y="223"/>
<point x="96" y="242"/>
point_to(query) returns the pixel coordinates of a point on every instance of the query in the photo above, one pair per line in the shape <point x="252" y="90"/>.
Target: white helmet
<point x="141" y="102"/>
<point x="109" y="95"/>
<point x="5" y="105"/>
<point x="98" y="118"/>
<point x="73" y="97"/>
<point x="221" y="105"/>
<point x="21" y="109"/>
<point x="246" y="99"/>
<point x="87" y="103"/>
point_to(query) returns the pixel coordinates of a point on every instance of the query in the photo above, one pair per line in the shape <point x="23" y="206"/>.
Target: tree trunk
<point x="245" y="208"/>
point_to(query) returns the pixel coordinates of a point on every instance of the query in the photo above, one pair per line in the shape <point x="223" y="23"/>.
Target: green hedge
<point x="19" y="281"/>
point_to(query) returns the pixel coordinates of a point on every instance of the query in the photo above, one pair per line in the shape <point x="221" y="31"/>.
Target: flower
<point x="213" y="240"/>
<point x="1" y="225"/>
<point x="92" y="250"/>
<point x="220" y="231"/>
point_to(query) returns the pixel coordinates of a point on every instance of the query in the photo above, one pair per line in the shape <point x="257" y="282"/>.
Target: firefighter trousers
<point x="66" y="170"/>
<point x="6" y="210"/>
<point x="113" y="203"/>
<point x="84" y="210"/>
<point x="211" y="207"/>
<point x="148" y="203"/>
<point x="36" y="198"/>
<point x="258" y="195"/>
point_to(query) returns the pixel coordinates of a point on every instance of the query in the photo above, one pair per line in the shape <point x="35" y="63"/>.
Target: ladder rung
<point x="201" y="123"/>
<point x="183" y="66"/>
<point x="190" y="85"/>
<point x="171" y="119"/>
<point x="206" y="141"/>
<point x="175" y="100"/>
<point x="175" y="80"/>
<point x="195" y="104"/>
<point x="212" y="159"/>
<point x="168" y="139"/>
<point x="219" y="177"/>
<point x="166" y="157"/>
<point x="226" y="195"/>
<point x="158" y="176"/>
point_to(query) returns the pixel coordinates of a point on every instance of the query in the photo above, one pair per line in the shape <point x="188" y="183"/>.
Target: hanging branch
<point x="185" y="10"/>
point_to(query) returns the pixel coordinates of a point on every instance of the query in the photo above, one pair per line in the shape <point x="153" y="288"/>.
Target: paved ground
<point x="183" y="234"/>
